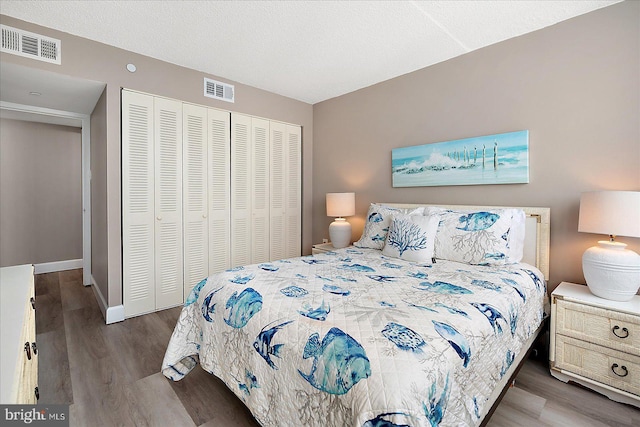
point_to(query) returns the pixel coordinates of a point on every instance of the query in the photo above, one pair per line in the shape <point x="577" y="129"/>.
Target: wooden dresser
<point x="596" y="342"/>
<point x="19" y="361"/>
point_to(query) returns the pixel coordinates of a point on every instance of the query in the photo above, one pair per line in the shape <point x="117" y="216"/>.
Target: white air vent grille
<point x="218" y="90"/>
<point x="30" y="45"/>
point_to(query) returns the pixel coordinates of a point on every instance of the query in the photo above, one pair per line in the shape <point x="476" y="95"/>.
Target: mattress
<point x="354" y="338"/>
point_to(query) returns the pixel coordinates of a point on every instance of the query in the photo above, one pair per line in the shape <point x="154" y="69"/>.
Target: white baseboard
<point x="111" y="314"/>
<point x="115" y="314"/>
<point x="50" y="267"/>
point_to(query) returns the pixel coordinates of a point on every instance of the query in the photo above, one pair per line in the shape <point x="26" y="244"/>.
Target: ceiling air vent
<point x="218" y="90"/>
<point x="30" y="45"/>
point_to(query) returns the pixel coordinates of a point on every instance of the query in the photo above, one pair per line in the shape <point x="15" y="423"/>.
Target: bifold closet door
<point x="168" y="203"/>
<point x="151" y="203"/>
<point x="285" y="191"/>
<point x="219" y="159"/>
<point x="293" y="179"/>
<point x="249" y="190"/>
<point x="196" y="245"/>
<point x="278" y="189"/>
<point x="260" y="195"/>
<point x="240" y="190"/>
<point x="138" y="216"/>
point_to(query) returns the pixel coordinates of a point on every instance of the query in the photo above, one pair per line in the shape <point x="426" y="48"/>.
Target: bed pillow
<point x="377" y="224"/>
<point x="487" y="237"/>
<point x="411" y="237"/>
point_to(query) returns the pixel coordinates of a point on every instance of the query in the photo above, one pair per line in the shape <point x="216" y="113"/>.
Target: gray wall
<point x="575" y="86"/>
<point x="98" y="149"/>
<point x="40" y="193"/>
<point x="83" y="58"/>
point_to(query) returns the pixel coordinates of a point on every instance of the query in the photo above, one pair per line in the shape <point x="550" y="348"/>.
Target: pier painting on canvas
<point x="491" y="159"/>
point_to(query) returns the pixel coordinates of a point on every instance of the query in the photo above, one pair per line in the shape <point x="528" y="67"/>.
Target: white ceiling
<point x="306" y="50"/>
<point x="49" y="92"/>
<point x="31" y="86"/>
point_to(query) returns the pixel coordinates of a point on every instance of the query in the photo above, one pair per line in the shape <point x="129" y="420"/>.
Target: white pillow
<point x="515" y="244"/>
<point x="377" y="224"/>
<point x="411" y="237"/>
<point x="488" y="237"/>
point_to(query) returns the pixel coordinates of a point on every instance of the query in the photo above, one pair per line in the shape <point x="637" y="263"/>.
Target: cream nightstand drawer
<point x="604" y="365"/>
<point x="619" y="331"/>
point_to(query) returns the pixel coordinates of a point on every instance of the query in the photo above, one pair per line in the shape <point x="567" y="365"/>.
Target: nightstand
<point x="596" y="342"/>
<point x="321" y="248"/>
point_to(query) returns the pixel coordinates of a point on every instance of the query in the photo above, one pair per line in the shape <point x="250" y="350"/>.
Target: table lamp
<point x="611" y="271"/>
<point x="340" y="205"/>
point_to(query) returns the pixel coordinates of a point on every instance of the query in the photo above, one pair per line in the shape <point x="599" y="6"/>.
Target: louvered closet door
<point x="195" y="209"/>
<point x="168" y="203"/>
<point x="219" y="158"/>
<point x="293" y="179"/>
<point x="260" y="166"/>
<point x="278" y="191"/>
<point x="240" y="189"/>
<point x="137" y="204"/>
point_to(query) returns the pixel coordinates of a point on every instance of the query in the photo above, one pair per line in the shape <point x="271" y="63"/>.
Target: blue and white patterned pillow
<point x="412" y="237"/>
<point x="491" y="237"/>
<point x="377" y="225"/>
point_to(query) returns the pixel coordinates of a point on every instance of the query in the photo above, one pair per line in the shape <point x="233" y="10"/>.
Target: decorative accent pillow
<point x="411" y="237"/>
<point x="377" y="224"/>
<point x="491" y="237"/>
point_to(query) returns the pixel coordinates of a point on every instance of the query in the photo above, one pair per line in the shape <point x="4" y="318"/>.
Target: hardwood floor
<point x="110" y="374"/>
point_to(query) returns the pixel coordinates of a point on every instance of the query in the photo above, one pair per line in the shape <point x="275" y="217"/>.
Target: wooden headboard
<point x="537" y="230"/>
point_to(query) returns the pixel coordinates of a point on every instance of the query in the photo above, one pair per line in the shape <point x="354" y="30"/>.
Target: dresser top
<point x="581" y="293"/>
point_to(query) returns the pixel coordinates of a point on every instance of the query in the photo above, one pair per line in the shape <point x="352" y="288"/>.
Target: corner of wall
<point x="110" y="314"/>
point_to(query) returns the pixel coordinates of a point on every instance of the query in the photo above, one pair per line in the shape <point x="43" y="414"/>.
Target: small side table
<point x="596" y="342"/>
<point x="322" y="248"/>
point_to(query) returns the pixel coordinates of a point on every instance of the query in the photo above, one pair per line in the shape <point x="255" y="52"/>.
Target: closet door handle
<point x="159" y="218"/>
<point x="34" y="348"/>
<point x="614" y="367"/>
<point x="625" y="330"/>
<point x="37" y="393"/>
<point x="27" y="349"/>
<point x="33" y="302"/>
<point x="204" y="215"/>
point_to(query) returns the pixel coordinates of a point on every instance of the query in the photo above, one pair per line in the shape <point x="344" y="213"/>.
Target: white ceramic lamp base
<point x="340" y="233"/>
<point x="611" y="271"/>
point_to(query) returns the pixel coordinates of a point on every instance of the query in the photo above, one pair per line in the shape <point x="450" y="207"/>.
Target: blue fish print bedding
<point x="354" y="338"/>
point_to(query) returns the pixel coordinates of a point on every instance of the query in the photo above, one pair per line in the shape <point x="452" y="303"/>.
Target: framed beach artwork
<point x="491" y="159"/>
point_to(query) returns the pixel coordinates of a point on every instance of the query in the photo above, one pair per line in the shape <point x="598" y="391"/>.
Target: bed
<point x="382" y="333"/>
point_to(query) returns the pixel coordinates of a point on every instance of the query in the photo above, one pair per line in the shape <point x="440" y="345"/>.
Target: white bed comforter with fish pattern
<point x="354" y="338"/>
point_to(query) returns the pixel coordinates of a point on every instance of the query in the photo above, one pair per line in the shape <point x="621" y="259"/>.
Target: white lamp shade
<point x="341" y="204"/>
<point x="610" y="270"/>
<point x="615" y="213"/>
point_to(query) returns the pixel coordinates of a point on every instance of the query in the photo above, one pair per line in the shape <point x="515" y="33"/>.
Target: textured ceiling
<point x="306" y="50"/>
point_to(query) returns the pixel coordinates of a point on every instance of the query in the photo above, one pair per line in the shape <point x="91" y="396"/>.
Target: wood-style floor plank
<point x="54" y="378"/>
<point x="48" y="303"/>
<point x="535" y="378"/>
<point x="153" y="403"/>
<point x="207" y="400"/>
<point x="110" y="374"/>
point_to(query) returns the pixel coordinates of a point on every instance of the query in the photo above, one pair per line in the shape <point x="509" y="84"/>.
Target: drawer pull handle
<point x="624" y="368"/>
<point x="37" y="393"/>
<point x="27" y="349"/>
<point x="33" y="303"/>
<point x="625" y="330"/>
<point x="34" y="348"/>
